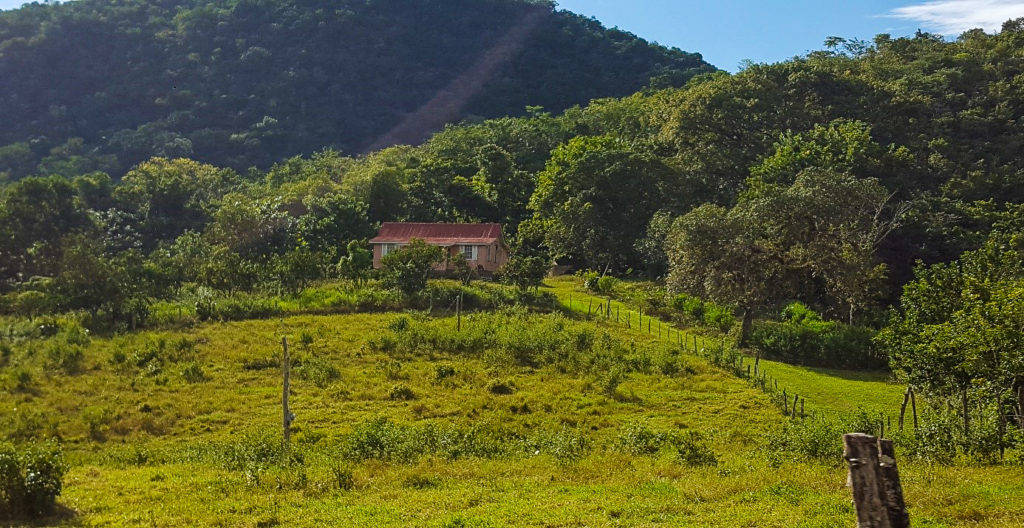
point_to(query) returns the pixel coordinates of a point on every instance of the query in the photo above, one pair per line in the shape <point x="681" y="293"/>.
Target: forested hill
<point x="101" y="85"/>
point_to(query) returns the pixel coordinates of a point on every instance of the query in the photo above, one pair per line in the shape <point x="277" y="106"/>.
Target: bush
<point x="31" y="479"/>
<point x="318" y="371"/>
<point x="443" y="372"/>
<point x="65" y="357"/>
<point x="525" y="273"/>
<point x="718" y="316"/>
<point x="590" y="279"/>
<point x="193" y="373"/>
<point x="805" y="339"/>
<point x="607" y="284"/>
<point x="401" y="392"/>
<point x="691" y="307"/>
<point x="691" y="450"/>
<point x="689" y="447"/>
<point x="408" y="269"/>
<point x="565" y="446"/>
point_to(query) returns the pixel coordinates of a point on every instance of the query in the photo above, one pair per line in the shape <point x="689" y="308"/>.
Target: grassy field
<point x="155" y="442"/>
<point x="827" y="390"/>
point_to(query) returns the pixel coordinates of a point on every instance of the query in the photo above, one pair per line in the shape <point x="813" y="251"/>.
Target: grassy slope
<point x="828" y="390"/>
<point x="605" y="489"/>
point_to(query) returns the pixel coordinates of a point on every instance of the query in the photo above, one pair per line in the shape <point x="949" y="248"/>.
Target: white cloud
<point x="952" y="17"/>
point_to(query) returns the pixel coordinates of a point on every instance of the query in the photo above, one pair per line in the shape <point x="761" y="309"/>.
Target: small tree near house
<point x="408" y="269"/>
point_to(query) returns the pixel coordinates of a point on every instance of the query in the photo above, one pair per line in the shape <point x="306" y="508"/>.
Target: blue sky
<point x="728" y="31"/>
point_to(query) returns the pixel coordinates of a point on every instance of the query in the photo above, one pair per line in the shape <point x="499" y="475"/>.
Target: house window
<point x="388" y="248"/>
<point x="470" y="252"/>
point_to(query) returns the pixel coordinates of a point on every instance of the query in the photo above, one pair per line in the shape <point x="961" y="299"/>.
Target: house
<point x="482" y="244"/>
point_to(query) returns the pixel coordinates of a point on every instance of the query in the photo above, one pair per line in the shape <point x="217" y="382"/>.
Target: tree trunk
<point x="967" y="416"/>
<point x="748" y="326"/>
<point x="1020" y="404"/>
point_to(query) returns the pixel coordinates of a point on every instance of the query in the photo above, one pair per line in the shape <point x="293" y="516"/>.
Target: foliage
<point x="525" y="273"/>
<point x="803" y="338"/>
<point x="408" y="269"/>
<point x="357" y="262"/>
<point x="31" y="479"/>
<point x="109" y="107"/>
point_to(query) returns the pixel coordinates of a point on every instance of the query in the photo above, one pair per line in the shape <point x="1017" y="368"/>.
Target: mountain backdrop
<point x="102" y="85"/>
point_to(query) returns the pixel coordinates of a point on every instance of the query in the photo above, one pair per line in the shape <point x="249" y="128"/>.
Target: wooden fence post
<point x="913" y="406"/>
<point x="287" y="416"/>
<point x="458" y="313"/>
<point x="892" y="490"/>
<point x="796" y="398"/>
<point x="861" y="454"/>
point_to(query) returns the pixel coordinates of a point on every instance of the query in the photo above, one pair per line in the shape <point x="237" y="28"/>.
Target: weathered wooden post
<point x="785" y="403"/>
<point x="891" y="487"/>
<point x="458" y="313"/>
<point x="861" y="454"/>
<point x="874" y="477"/>
<point x="913" y="406"/>
<point x="903" y="406"/>
<point x="796" y="398"/>
<point x="287" y="415"/>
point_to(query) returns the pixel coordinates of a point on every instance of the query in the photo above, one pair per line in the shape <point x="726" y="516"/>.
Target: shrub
<point x="565" y="446"/>
<point x="65" y="357"/>
<point x="193" y="373"/>
<point x="718" y="316"/>
<point x="590" y="279"/>
<point x="693" y="451"/>
<point x="344" y="479"/>
<point x="525" y="273"/>
<point x="443" y="372"/>
<point x="689" y="447"/>
<point x="31" y="479"/>
<point x="638" y="439"/>
<point x="691" y="307"/>
<point x="401" y="392"/>
<point x="408" y="269"/>
<point x="805" y="339"/>
<point x="318" y="371"/>
<point x="391" y="369"/>
<point x="499" y="387"/>
<point x="96" y="421"/>
<point x="607" y="284"/>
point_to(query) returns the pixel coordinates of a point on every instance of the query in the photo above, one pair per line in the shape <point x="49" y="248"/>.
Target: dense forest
<point x="98" y="85"/>
<point x="869" y="193"/>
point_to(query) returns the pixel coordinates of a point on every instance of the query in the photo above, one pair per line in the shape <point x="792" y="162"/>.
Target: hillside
<point x="98" y="85"/>
<point x="549" y="419"/>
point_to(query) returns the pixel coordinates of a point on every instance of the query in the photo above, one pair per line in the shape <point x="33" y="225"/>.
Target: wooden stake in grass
<point x="861" y="454"/>
<point x="287" y="416"/>
<point x="892" y="489"/>
<point x="458" y="313"/>
<point x="913" y="406"/>
<point x="796" y="398"/>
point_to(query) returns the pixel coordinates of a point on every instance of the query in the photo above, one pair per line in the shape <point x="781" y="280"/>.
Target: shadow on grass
<point x="62" y="516"/>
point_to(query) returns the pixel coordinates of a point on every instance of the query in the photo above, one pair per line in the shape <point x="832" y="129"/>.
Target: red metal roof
<point x="438" y="234"/>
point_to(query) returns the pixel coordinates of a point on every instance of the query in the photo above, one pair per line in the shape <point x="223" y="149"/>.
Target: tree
<point x="600" y="194"/>
<point x="525" y="273"/>
<point x="409" y="268"/>
<point x="462" y="270"/>
<point x="959" y="330"/>
<point x="331" y="219"/>
<point x="172" y="196"/>
<point x="297" y="268"/>
<point x="357" y="263"/>
<point x="31" y="303"/>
